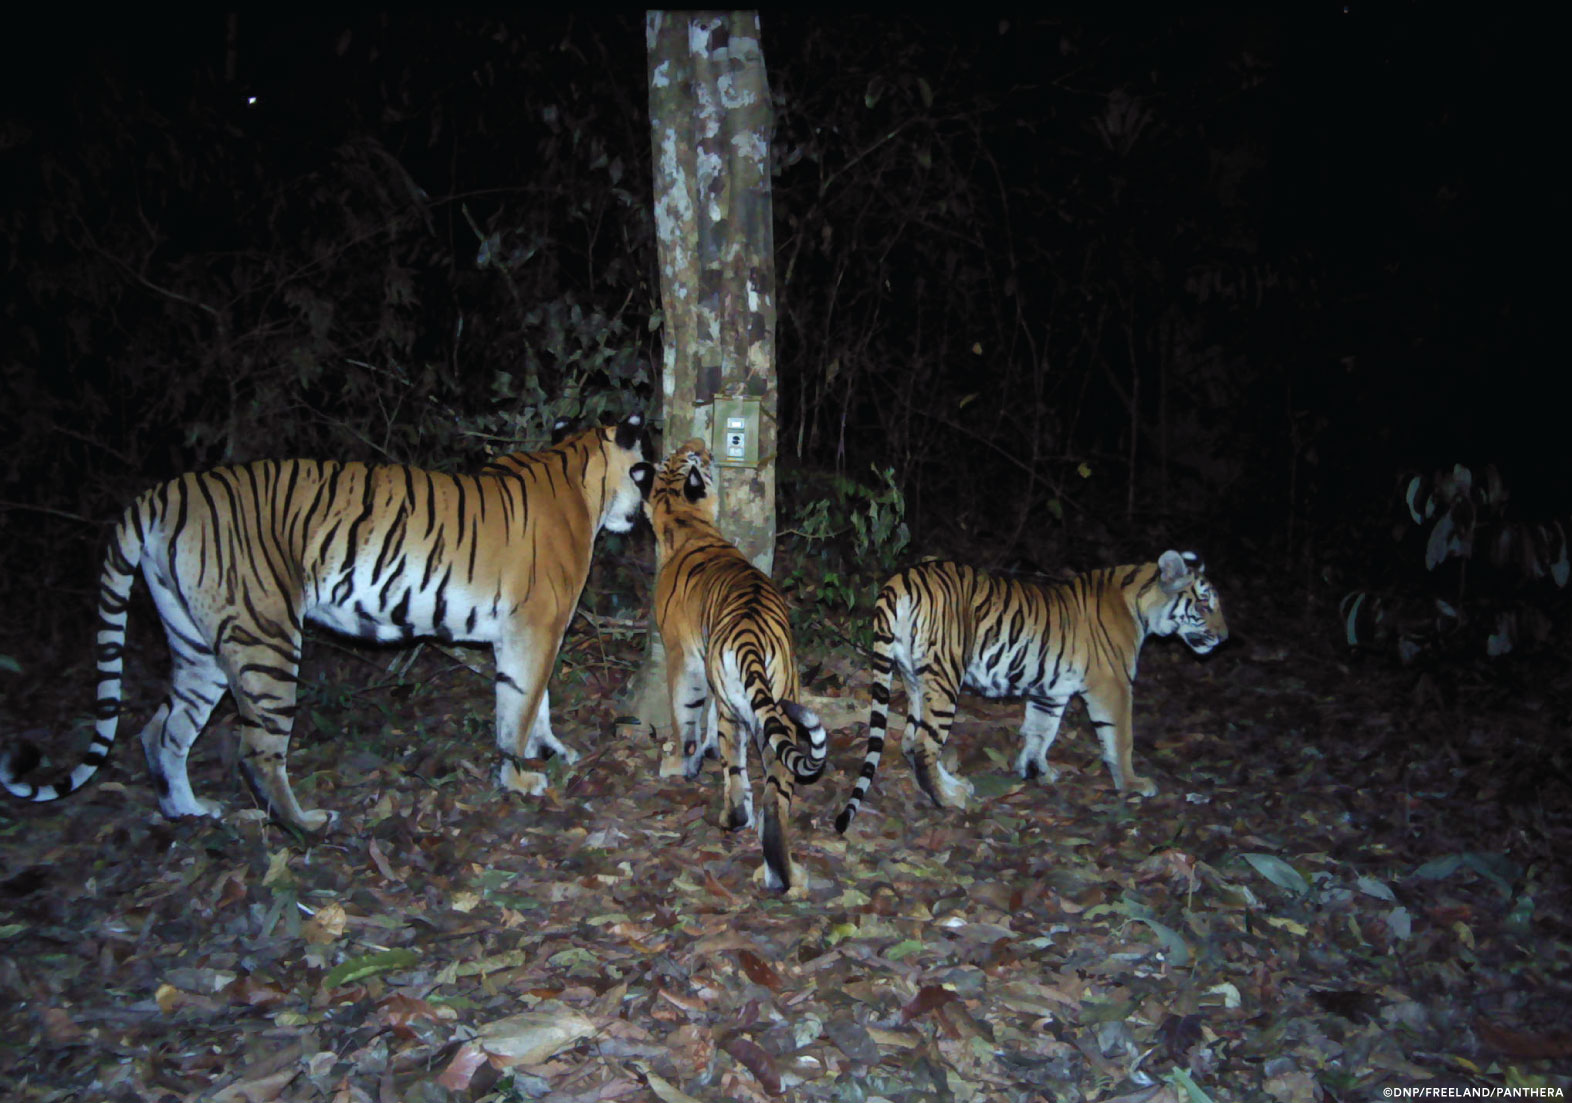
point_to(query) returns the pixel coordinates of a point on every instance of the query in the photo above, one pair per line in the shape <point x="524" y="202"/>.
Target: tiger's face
<point x="628" y="472"/>
<point x="685" y="486"/>
<point x="1193" y="610"/>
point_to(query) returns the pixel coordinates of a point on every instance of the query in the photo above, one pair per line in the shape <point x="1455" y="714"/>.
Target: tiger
<point x="730" y="665"/>
<point x="946" y="626"/>
<point x="238" y="558"/>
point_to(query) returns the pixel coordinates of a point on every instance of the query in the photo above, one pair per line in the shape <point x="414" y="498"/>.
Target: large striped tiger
<point x="238" y="558"/>
<point x="730" y="664"/>
<point x="945" y="626"/>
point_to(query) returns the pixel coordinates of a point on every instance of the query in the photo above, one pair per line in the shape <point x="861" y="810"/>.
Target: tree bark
<point x="710" y="122"/>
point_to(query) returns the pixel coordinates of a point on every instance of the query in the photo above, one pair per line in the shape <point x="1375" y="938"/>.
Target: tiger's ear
<point x="643" y="476"/>
<point x="1175" y="572"/>
<point x="696" y="487"/>
<point x="561" y="429"/>
<point x="631" y="431"/>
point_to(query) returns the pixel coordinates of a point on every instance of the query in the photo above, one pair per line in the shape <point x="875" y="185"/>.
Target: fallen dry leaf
<point x="455" y="1077"/>
<point x="1552" y="1045"/>
<point x="532" y="1036"/>
<point x="59" y="1028"/>
<point x="752" y="1056"/>
<point x="759" y="971"/>
<point x="263" y="1089"/>
<point x="326" y="926"/>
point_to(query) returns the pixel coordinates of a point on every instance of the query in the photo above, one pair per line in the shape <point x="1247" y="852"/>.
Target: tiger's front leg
<point x="523" y="720"/>
<point x="542" y="741"/>
<point x="1110" y="713"/>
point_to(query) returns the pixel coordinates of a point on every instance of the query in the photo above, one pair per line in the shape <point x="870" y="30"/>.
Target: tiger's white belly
<point x="404" y="612"/>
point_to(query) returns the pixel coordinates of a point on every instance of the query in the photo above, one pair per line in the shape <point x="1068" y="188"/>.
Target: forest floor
<point x="1352" y="879"/>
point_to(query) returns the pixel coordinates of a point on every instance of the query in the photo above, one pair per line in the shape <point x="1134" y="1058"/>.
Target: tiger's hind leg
<point x="1038" y="731"/>
<point x="197" y="682"/>
<point x="693" y="712"/>
<point x="737" y="811"/>
<point x="195" y="688"/>
<point x="927" y="730"/>
<point x="264" y="677"/>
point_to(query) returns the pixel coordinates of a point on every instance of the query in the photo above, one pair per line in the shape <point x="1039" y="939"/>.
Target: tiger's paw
<point x="527" y="782"/>
<point x="317" y="819"/>
<point x="693" y="756"/>
<point x="1142" y="785"/>
<point x="798" y="890"/>
<point x="1027" y="768"/>
<point x="545" y="745"/>
<point x="197" y="806"/>
<point x="954" y="791"/>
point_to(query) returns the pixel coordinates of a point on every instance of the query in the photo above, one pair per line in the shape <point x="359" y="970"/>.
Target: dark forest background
<point x="1059" y="288"/>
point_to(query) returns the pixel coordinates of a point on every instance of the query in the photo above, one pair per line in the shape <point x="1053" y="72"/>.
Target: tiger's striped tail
<point x="806" y="766"/>
<point x="114" y="591"/>
<point x="878" y="717"/>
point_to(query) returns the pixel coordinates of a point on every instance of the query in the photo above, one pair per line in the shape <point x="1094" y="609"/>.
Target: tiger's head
<point x="625" y="450"/>
<point x="1189" y="607"/>
<point x="684" y="490"/>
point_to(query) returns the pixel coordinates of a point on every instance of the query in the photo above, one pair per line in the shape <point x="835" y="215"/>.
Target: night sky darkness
<point x="1403" y="151"/>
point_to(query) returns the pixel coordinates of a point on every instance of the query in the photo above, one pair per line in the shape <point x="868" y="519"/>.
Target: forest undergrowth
<point x="1352" y="878"/>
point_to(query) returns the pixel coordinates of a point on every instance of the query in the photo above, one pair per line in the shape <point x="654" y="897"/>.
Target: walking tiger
<point x="946" y="626"/>
<point x="239" y="558"/>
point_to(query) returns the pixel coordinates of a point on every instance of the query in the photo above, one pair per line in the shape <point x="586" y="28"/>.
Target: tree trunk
<point x="710" y="121"/>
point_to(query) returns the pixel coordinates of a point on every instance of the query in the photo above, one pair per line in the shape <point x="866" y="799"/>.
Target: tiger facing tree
<point x="731" y="668"/>
<point x="239" y="558"/>
<point x="946" y="626"/>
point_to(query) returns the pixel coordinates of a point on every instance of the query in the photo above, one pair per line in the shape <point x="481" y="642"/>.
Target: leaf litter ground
<point x="1336" y="891"/>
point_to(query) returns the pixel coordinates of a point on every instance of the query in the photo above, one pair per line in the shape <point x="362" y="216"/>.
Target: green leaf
<point x="1438" y="869"/>
<point x="1279" y="872"/>
<point x="839" y="932"/>
<point x="994" y="785"/>
<point x="1498" y="869"/>
<point x="1400" y="924"/>
<point x="1179" y="1078"/>
<point x="1371" y="887"/>
<point x="358" y="968"/>
<point x="1178" y="953"/>
<point x="571" y="957"/>
<point x="1094" y="1011"/>
<point x="904" y="948"/>
<point x="1495" y="868"/>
